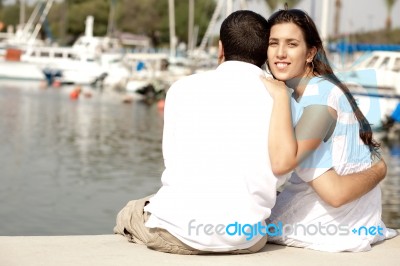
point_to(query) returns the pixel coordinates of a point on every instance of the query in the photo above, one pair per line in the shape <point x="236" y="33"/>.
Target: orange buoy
<point x="127" y="99"/>
<point x="161" y="104"/>
<point x="87" y="94"/>
<point x="74" y="94"/>
<point x="56" y="83"/>
<point x="43" y="85"/>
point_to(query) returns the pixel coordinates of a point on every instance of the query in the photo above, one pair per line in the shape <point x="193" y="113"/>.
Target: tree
<point x="67" y="18"/>
<point x="203" y="13"/>
<point x="10" y="15"/>
<point x="78" y="10"/>
<point x="150" y="17"/>
<point x="272" y="4"/>
<point x="292" y="3"/>
<point x="338" y="6"/>
<point x="389" y="7"/>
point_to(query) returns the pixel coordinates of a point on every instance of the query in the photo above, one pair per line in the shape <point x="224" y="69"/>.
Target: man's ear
<point x="221" y="55"/>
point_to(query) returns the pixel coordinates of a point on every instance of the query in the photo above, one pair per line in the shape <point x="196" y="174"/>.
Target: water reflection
<point x="391" y="186"/>
<point x="68" y="167"/>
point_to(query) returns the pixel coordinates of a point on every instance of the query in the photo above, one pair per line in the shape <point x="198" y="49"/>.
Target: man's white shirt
<point x="217" y="164"/>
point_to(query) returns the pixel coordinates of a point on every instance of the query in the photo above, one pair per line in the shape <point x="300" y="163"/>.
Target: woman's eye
<point x="292" y="44"/>
<point x="272" y="43"/>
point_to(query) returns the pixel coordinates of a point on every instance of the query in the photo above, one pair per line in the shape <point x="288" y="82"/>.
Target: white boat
<point x="73" y="67"/>
<point x="153" y="73"/>
<point x="63" y="63"/>
<point x="375" y="83"/>
<point x="377" y="72"/>
<point x="89" y="60"/>
<point x="12" y="68"/>
<point x="21" y="71"/>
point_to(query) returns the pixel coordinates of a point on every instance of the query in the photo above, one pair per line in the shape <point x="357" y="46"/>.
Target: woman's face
<point x="288" y="52"/>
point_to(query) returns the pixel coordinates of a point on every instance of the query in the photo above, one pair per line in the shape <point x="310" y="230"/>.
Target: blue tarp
<point x="343" y="47"/>
<point x="396" y="114"/>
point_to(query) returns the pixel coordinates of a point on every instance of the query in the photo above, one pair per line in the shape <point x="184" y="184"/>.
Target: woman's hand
<point x="275" y="87"/>
<point x="282" y="143"/>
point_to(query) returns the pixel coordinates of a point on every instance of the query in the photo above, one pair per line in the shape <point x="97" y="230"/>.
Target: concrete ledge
<point x="116" y="250"/>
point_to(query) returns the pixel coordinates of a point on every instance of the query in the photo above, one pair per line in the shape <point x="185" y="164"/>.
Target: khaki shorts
<point x="130" y="223"/>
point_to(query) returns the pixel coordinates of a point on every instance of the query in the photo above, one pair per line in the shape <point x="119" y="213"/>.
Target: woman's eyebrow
<point x="289" y="39"/>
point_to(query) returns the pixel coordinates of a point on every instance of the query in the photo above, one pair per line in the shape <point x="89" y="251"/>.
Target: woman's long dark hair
<point x="320" y="64"/>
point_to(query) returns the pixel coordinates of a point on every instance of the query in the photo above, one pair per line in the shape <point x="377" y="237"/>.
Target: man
<point x="218" y="187"/>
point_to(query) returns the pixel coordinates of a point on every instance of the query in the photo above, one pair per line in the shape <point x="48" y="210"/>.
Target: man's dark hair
<point x="244" y="36"/>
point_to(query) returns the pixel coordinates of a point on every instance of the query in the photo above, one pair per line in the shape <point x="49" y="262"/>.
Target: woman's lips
<point x="281" y="65"/>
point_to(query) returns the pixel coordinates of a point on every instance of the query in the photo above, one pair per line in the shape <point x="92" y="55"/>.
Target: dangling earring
<point x="312" y="64"/>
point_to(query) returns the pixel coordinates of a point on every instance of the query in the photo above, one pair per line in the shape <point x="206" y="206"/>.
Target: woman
<point x="331" y="132"/>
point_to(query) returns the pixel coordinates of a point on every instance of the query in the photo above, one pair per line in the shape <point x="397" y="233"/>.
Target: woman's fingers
<point x="271" y="80"/>
<point x="268" y="81"/>
<point x="273" y="86"/>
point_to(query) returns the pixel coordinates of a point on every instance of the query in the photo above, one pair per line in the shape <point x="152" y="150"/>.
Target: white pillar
<point x="324" y="21"/>
<point x="22" y="13"/>
<point x="89" y="26"/>
<point x="243" y="4"/>
<point x="229" y="7"/>
<point x="191" y="25"/>
<point x="172" y="37"/>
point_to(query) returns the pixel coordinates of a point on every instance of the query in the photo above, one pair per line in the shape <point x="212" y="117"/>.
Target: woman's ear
<point x="311" y="53"/>
<point x="221" y="55"/>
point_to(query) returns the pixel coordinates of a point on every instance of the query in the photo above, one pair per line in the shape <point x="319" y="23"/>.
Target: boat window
<point x="384" y="63"/>
<point x="396" y="67"/>
<point x="44" y="54"/>
<point x="372" y="62"/>
<point x="58" y="54"/>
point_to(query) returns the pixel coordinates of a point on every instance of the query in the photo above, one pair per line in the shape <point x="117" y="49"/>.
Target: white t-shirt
<point x="218" y="175"/>
<point x="316" y="224"/>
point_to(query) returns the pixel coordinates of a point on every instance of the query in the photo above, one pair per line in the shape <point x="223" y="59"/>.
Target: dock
<point x="99" y="250"/>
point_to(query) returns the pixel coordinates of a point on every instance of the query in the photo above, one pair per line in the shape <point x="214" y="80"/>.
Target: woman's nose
<point x="281" y="53"/>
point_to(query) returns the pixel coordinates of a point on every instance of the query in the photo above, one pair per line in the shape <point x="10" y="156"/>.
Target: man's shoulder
<point x="196" y="77"/>
<point x="193" y="81"/>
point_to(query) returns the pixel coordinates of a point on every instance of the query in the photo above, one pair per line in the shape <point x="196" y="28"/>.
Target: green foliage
<point x="148" y="17"/>
<point x="273" y="4"/>
<point x="379" y="37"/>
<point x="142" y="17"/>
<point x="389" y="5"/>
<point x="10" y="15"/>
<point x="78" y="12"/>
<point x="292" y="3"/>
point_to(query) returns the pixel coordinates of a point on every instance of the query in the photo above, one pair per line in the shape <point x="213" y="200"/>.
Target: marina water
<point x="68" y="167"/>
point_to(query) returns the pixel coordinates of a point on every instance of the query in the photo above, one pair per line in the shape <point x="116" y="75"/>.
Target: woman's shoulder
<point x="317" y="91"/>
<point x="323" y="84"/>
<point x="320" y="90"/>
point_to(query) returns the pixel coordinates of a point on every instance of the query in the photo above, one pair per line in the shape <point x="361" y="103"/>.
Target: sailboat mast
<point x="172" y="36"/>
<point x="324" y="21"/>
<point x="111" y="19"/>
<point x="190" y="25"/>
<point x="22" y="13"/>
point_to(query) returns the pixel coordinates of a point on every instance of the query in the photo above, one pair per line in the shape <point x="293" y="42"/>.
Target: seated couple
<point x="232" y="137"/>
